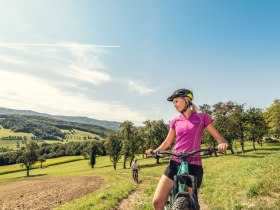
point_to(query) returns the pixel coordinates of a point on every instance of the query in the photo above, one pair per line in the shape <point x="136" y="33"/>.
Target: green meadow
<point x="12" y="144"/>
<point x="249" y="181"/>
<point x="75" y="135"/>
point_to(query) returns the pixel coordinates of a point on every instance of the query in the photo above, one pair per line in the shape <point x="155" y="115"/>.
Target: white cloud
<point x="135" y="86"/>
<point x="21" y="91"/>
<point x="9" y="59"/>
<point x="87" y="75"/>
<point x="69" y="60"/>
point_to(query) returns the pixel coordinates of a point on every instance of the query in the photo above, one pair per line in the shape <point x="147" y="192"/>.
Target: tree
<point x="136" y="144"/>
<point x="256" y="126"/>
<point x="113" y="145"/>
<point x="237" y="120"/>
<point x="221" y="112"/>
<point x="93" y="149"/>
<point x="127" y="134"/>
<point x="154" y="133"/>
<point x="93" y="156"/>
<point x="207" y="138"/>
<point x="41" y="159"/>
<point x="29" y="156"/>
<point x="272" y="117"/>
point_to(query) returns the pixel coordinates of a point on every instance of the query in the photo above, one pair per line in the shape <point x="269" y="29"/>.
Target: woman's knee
<point x="158" y="203"/>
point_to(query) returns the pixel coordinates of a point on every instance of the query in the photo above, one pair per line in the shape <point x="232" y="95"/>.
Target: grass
<point x="49" y="162"/>
<point x="78" y="135"/>
<point x="12" y="144"/>
<point x="249" y="181"/>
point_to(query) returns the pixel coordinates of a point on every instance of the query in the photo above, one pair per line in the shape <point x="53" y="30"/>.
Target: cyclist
<point x="188" y="130"/>
<point x="135" y="167"/>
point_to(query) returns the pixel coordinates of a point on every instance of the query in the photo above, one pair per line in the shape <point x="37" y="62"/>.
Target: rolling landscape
<point x="64" y="177"/>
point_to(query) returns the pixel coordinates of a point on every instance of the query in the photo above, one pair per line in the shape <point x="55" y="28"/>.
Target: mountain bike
<point x="180" y="198"/>
<point x="135" y="175"/>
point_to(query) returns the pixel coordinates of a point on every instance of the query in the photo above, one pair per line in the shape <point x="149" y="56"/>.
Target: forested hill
<point x="111" y="125"/>
<point x="46" y="128"/>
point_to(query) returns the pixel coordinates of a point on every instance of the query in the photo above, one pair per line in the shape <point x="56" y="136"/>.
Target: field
<point x="233" y="182"/>
<point x="75" y="135"/>
<point x="12" y="144"/>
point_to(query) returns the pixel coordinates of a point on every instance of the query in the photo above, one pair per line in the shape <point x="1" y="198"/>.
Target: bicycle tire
<point x="135" y="176"/>
<point x="182" y="203"/>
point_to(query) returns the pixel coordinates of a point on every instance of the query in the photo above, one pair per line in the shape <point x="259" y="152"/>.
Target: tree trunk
<point x="115" y="165"/>
<point x="130" y="163"/>
<point x="242" y="146"/>
<point x="260" y="141"/>
<point x="124" y="162"/>
<point x="27" y="170"/>
<point x="254" y="146"/>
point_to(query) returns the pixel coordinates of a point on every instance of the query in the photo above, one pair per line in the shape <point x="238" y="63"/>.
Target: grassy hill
<point x="71" y="135"/>
<point x="46" y="128"/>
<point x="249" y="181"/>
<point x="110" y="125"/>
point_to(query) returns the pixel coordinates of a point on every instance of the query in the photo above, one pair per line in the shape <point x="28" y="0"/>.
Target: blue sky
<point x="120" y="60"/>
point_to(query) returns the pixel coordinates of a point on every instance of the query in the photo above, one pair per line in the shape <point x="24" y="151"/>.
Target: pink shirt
<point x="189" y="134"/>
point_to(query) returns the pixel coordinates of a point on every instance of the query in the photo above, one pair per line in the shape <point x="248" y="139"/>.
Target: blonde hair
<point x="194" y="108"/>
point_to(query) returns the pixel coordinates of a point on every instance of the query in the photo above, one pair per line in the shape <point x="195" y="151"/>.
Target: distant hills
<point x="111" y="125"/>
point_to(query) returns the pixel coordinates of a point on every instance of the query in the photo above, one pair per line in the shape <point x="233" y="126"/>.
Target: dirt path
<point x="128" y="202"/>
<point x="45" y="193"/>
<point x="203" y="206"/>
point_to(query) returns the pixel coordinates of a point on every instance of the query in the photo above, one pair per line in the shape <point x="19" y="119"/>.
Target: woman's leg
<point x="162" y="191"/>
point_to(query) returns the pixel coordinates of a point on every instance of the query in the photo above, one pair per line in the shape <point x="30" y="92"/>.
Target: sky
<point x="120" y="60"/>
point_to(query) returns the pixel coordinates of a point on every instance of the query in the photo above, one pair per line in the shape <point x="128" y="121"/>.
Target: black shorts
<point x="195" y="170"/>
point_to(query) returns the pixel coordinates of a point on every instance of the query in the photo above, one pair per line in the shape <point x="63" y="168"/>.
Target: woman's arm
<point x="223" y="145"/>
<point x="167" y="142"/>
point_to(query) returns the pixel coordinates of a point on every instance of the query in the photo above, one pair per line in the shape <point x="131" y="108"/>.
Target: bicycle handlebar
<point x="208" y="151"/>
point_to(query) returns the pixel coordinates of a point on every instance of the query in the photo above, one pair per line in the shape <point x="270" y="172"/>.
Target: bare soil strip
<point x="129" y="202"/>
<point x="45" y="193"/>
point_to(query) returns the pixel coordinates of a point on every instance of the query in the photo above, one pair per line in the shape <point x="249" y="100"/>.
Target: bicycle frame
<point x="180" y="186"/>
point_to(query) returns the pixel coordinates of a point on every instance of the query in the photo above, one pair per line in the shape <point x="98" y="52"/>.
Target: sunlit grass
<point x="249" y="181"/>
<point x="246" y="181"/>
<point x="49" y="162"/>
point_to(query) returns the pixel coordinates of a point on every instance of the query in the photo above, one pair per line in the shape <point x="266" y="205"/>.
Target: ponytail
<point x="194" y="108"/>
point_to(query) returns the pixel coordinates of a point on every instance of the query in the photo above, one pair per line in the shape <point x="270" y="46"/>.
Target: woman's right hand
<point x="149" y="152"/>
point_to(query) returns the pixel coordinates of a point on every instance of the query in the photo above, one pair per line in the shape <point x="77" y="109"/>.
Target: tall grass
<point x="249" y="181"/>
<point x="232" y="182"/>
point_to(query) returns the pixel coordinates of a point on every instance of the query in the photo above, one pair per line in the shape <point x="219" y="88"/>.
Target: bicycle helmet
<point x="181" y="93"/>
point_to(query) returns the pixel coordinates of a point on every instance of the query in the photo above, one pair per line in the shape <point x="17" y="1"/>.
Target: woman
<point x="188" y="130"/>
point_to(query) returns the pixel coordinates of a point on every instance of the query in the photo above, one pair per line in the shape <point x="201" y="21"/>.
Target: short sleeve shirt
<point x="189" y="134"/>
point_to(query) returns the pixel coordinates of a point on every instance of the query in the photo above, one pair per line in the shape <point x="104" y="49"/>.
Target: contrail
<point x="58" y="45"/>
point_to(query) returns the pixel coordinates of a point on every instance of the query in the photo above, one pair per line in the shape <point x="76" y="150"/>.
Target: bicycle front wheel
<point x="182" y="203"/>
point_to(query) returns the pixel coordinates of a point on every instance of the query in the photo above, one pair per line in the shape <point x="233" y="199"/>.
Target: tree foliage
<point x="29" y="155"/>
<point x="272" y="117"/>
<point x="46" y="128"/>
<point x="113" y="145"/>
